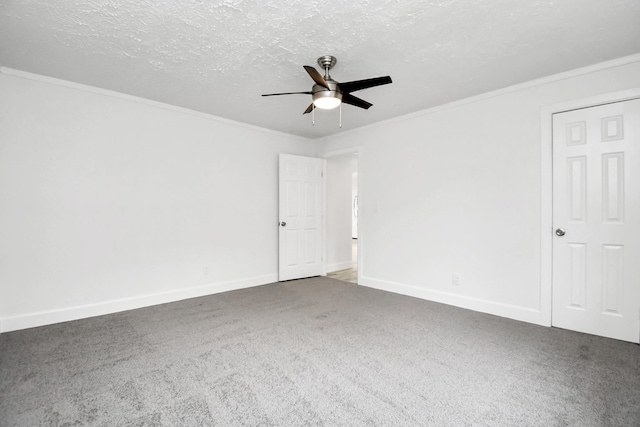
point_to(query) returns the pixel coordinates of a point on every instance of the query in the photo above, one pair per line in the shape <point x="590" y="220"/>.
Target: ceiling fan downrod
<point x="327" y="62"/>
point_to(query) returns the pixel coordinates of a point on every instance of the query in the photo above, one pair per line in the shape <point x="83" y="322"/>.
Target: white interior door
<point x="596" y="217"/>
<point x="301" y="207"/>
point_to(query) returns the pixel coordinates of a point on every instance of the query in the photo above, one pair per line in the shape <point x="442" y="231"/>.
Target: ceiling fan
<point x="328" y="93"/>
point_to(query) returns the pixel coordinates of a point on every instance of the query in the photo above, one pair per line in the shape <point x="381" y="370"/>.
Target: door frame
<point x="546" y="186"/>
<point x="357" y="149"/>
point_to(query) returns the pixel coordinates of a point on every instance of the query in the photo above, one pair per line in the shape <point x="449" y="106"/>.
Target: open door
<point x="301" y="206"/>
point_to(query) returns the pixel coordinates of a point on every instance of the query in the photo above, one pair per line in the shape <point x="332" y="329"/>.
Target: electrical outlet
<point x="455" y="279"/>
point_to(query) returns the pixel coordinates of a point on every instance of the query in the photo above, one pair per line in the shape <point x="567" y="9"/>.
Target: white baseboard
<point x="42" y="318"/>
<point x="515" y="312"/>
<point x="340" y="266"/>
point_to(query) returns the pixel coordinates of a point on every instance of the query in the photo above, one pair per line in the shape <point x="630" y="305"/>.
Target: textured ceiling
<point x="218" y="56"/>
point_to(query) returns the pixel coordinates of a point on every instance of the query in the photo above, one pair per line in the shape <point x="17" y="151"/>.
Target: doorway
<point x="342" y="216"/>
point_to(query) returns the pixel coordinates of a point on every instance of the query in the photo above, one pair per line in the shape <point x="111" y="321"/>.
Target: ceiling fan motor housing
<point x="320" y="92"/>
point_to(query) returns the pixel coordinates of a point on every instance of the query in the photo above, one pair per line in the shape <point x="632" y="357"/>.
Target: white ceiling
<point x="218" y="56"/>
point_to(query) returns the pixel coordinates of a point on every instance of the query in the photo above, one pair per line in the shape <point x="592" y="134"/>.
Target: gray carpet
<point x="314" y="352"/>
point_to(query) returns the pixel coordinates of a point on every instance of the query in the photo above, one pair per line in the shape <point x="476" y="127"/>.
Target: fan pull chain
<point x="313" y="115"/>
<point x="341" y="115"/>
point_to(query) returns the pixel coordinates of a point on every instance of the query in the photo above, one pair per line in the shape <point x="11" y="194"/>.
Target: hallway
<point x="350" y="274"/>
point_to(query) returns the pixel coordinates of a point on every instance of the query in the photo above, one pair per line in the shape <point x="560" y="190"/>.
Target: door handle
<point x="560" y="232"/>
<point x="283" y="223"/>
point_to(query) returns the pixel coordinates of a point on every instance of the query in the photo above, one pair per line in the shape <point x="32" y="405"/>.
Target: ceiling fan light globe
<point x="327" y="103"/>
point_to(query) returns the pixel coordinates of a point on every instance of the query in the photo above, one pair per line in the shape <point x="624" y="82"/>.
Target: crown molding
<point x="589" y="69"/>
<point x="138" y="100"/>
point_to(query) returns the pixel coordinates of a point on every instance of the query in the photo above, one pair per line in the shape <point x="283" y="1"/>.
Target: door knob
<point x="283" y="223"/>
<point x="560" y="232"/>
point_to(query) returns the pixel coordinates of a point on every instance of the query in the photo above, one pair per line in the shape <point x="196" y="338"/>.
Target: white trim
<point x="546" y="215"/>
<point x="357" y="149"/>
<point x="523" y="314"/>
<point x="49" y="317"/>
<point x="361" y="235"/>
<point x="118" y="95"/>
<point x="324" y="268"/>
<point x="339" y="266"/>
<point x="342" y="152"/>
<point x="546" y="185"/>
<point x="618" y="62"/>
<point x="614" y="63"/>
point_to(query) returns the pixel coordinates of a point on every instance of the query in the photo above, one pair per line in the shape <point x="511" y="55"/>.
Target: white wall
<point x="339" y="185"/>
<point x="458" y="189"/>
<point x="109" y="203"/>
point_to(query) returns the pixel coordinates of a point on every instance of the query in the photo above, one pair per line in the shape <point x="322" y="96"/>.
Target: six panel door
<point x="596" y="217"/>
<point x="300" y="211"/>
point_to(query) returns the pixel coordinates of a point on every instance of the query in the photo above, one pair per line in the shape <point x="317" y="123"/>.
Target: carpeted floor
<point x="314" y="352"/>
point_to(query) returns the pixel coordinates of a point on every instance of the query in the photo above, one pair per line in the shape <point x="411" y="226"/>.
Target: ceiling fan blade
<point x="309" y="109"/>
<point x="316" y="76"/>
<point x="353" y="100"/>
<point x="288" y="93"/>
<point x="353" y="86"/>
